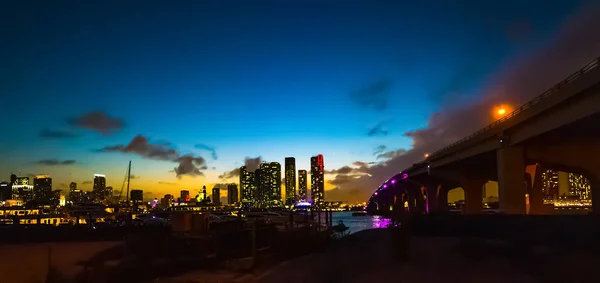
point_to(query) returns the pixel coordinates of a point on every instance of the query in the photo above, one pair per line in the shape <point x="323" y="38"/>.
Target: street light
<point x="426" y="155"/>
<point x="501" y="111"/>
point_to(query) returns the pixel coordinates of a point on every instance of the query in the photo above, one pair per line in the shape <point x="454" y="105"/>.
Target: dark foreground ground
<point x="368" y="256"/>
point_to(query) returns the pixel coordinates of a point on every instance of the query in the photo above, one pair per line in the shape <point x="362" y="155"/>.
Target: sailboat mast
<point x="128" y="178"/>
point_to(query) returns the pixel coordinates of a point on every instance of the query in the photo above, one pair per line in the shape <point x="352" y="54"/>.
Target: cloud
<point x="52" y="134"/>
<point x="520" y="79"/>
<point x="167" y="183"/>
<point x="251" y="163"/>
<point x="86" y="182"/>
<point x="55" y="162"/>
<point x="230" y="174"/>
<point x="133" y="176"/>
<point x="378" y="150"/>
<point x="190" y="165"/>
<point x="373" y="96"/>
<point x="97" y="121"/>
<point x="208" y="148"/>
<point x="378" y="130"/>
<point x="391" y="154"/>
<point x="140" y="145"/>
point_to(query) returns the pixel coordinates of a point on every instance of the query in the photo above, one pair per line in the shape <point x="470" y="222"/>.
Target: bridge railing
<point x="590" y="66"/>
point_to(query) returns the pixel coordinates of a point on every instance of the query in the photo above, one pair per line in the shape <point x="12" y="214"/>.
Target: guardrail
<point x="590" y="66"/>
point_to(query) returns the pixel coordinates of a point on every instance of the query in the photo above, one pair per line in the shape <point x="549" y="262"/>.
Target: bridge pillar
<point x="442" y="197"/>
<point x="432" y="197"/>
<point x="511" y="184"/>
<point x="473" y="196"/>
<point x="536" y="193"/>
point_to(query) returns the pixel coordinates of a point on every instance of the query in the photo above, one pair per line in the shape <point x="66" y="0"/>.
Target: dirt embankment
<point x="369" y="256"/>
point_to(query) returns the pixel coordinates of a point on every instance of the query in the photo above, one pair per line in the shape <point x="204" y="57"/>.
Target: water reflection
<point x="359" y="223"/>
<point x="380" y="222"/>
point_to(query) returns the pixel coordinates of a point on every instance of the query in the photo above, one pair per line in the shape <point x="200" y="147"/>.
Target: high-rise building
<point x="99" y="188"/>
<point x="184" y="195"/>
<point x="317" y="180"/>
<point x="137" y="196"/>
<point x="579" y="187"/>
<point x="232" y="194"/>
<point x="247" y="186"/>
<point x="216" y="195"/>
<point x="75" y="195"/>
<point x="550" y="186"/>
<point x="302" y="184"/>
<point x="72" y="186"/>
<point x="261" y="195"/>
<point x="270" y="184"/>
<point x="108" y="193"/>
<point x="166" y="201"/>
<point x="21" y="189"/>
<point x="203" y="195"/>
<point x="290" y="180"/>
<point x="42" y="189"/>
<point x="5" y="191"/>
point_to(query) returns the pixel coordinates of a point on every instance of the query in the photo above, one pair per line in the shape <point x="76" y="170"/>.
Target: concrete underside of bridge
<point x="574" y="148"/>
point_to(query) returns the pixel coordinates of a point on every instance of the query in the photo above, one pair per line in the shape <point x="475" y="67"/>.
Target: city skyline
<point x="189" y="98"/>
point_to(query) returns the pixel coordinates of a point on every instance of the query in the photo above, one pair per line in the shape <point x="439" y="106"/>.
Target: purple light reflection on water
<point x="380" y="222"/>
<point x="359" y="223"/>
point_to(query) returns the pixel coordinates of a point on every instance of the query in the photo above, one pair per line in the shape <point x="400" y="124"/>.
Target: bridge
<point x="557" y="130"/>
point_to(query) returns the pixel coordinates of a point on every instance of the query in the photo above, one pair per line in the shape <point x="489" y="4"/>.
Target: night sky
<point x="188" y="90"/>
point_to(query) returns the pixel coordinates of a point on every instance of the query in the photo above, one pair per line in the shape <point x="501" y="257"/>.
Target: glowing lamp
<point x="393" y="181"/>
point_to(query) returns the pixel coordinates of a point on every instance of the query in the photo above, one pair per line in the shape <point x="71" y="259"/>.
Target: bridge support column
<point x="511" y="184"/>
<point x="473" y="196"/>
<point x="432" y="197"/>
<point x="442" y="197"/>
<point x="536" y="193"/>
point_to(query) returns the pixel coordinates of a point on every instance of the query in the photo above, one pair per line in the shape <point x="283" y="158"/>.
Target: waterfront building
<point x="579" y="187"/>
<point x="21" y="189"/>
<point x="42" y="188"/>
<point x="317" y="180"/>
<point x="290" y="180"/>
<point x="262" y="188"/>
<point x="5" y="191"/>
<point x="272" y="183"/>
<point x="99" y="188"/>
<point x="302" y="185"/>
<point x="184" y="195"/>
<point x="137" y="196"/>
<point x="232" y="194"/>
<point x="247" y="186"/>
<point x="216" y="195"/>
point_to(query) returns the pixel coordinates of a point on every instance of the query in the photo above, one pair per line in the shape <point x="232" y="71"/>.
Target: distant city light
<point x="384" y="186"/>
<point x="393" y="181"/>
<point x="426" y="155"/>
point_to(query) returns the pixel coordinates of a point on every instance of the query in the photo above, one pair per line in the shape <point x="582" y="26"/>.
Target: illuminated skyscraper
<point x="302" y="184"/>
<point x="21" y="189"/>
<point x="269" y="184"/>
<point x="42" y="188"/>
<point x="317" y="180"/>
<point x="247" y="186"/>
<point x="290" y="180"/>
<point x="184" y="195"/>
<point x="216" y="195"/>
<point x="261" y="184"/>
<point x="579" y="187"/>
<point x="232" y="194"/>
<point x="99" y="188"/>
<point x="550" y="186"/>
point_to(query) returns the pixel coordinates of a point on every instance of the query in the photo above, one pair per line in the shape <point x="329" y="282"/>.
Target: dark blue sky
<point x="249" y="78"/>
